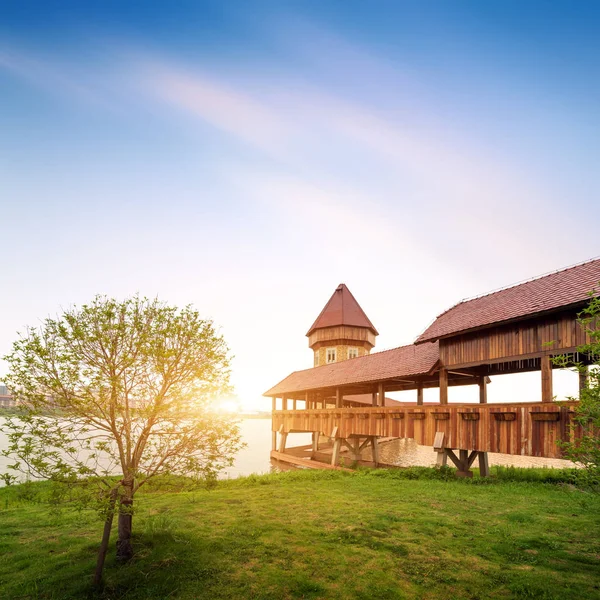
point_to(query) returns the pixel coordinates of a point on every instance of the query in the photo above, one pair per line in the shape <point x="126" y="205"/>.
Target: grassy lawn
<point x="313" y="534"/>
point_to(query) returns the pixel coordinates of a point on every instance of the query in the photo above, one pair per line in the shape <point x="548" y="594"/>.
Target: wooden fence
<point x="528" y="429"/>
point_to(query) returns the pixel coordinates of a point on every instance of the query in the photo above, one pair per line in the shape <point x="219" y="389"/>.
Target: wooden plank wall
<point x="518" y="339"/>
<point x="342" y="332"/>
<point x="522" y="428"/>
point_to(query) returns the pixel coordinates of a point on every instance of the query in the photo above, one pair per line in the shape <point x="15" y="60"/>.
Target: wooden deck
<point x="527" y="429"/>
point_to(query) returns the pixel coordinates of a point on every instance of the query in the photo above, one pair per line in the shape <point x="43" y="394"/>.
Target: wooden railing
<point x="528" y="428"/>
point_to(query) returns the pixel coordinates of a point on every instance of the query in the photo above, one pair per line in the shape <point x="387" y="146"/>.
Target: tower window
<point x="331" y="355"/>
<point x="317" y="358"/>
<point x="352" y="352"/>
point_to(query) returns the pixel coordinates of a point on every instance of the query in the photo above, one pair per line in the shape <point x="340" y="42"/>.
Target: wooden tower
<point x="341" y="331"/>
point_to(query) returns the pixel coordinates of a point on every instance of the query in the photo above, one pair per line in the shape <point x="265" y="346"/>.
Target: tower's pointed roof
<point x="342" y="309"/>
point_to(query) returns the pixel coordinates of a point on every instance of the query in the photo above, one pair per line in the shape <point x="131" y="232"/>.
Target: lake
<point x="254" y="458"/>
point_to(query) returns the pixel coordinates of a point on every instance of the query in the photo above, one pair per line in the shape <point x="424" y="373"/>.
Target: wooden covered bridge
<point x="514" y="330"/>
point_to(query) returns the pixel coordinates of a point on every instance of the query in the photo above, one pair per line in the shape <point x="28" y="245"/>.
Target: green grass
<point x="318" y="534"/>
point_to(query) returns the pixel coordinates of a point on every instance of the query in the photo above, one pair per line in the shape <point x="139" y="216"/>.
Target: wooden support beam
<point x="347" y="444"/>
<point x="308" y="464"/>
<point x="438" y="446"/>
<point x="364" y="444"/>
<point x="273" y="433"/>
<point x="375" y="446"/>
<point x="356" y="448"/>
<point x="306" y="401"/>
<point x="315" y="442"/>
<point x="381" y="394"/>
<point x="484" y="467"/>
<point x="283" y="403"/>
<point x="443" y="386"/>
<point x="442" y="459"/>
<point x="420" y="394"/>
<point x="462" y="462"/>
<point x="374" y="399"/>
<point x="463" y="374"/>
<point x="450" y="454"/>
<point x="282" y="442"/>
<point x="546" y="379"/>
<point x="338" y="398"/>
<point x="472" y="458"/>
<point x="335" y="455"/>
<point x="294" y="404"/>
<point x="483" y="390"/>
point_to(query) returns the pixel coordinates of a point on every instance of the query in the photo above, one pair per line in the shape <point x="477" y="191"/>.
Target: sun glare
<point x="229" y="405"/>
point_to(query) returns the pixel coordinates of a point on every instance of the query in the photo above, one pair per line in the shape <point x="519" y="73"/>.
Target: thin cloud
<point x="60" y="78"/>
<point x="215" y="102"/>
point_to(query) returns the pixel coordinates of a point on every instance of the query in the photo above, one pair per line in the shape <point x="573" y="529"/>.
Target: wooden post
<point x="306" y="401"/>
<point x="294" y="404"/>
<point x="546" y="379"/>
<point x="356" y="448"/>
<point x="338" y="398"/>
<point x="438" y="446"/>
<point x="335" y="455"/>
<point x="583" y="380"/>
<point x="374" y="399"/>
<point x="420" y="394"/>
<point x="273" y="433"/>
<point x="283" y="403"/>
<point x="443" y="386"/>
<point x="464" y="470"/>
<point x="282" y="441"/>
<point x="442" y="459"/>
<point x="482" y="390"/>
<point x="381" y="395"/>
<point x="484" y="467"/>
<point x="315" y="442"/>
<point x="337" y="444"/>
<point x="375" y="448"/>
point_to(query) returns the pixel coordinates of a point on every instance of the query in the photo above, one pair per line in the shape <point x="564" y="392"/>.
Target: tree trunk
<point x="105" y="538"/>
<point x="124" y="548"/>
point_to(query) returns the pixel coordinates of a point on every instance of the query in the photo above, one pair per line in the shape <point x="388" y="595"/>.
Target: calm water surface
<point x="254" y="458"/>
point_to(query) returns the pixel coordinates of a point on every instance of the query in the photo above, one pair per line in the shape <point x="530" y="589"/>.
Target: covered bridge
<point x="513" y="330"/>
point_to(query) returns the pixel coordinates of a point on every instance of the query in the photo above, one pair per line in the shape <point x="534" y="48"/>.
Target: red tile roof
<point x="342" y="309"/>
<point x="550" y="292"/>
<point x="399" y="362"/>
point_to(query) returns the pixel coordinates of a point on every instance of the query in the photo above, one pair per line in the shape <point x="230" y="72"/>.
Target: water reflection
<point x="254" y="458"/>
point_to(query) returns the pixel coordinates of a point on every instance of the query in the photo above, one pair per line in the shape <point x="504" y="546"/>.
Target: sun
<point x="228" y="405"/>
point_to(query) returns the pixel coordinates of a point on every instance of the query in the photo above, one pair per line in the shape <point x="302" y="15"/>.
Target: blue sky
<point x="249" y="156"/>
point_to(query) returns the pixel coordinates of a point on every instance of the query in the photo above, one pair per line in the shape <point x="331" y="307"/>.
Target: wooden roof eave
<point x="572" y="306"/>
<point x="423" y="379"/>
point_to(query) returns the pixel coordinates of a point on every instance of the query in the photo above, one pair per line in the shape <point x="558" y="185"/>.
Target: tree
<point x="120" y="388"/>
<point x="585" y="451"/>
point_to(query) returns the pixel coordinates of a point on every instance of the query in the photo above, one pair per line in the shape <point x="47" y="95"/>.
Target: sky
<point x="247" y="157"/>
